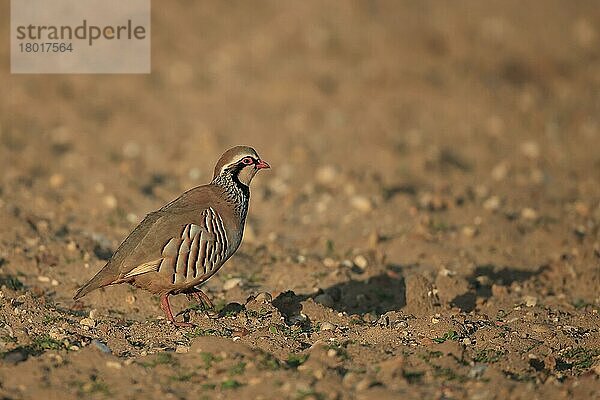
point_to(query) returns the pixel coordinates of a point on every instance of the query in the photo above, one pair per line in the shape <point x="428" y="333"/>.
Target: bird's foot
<point x="166" y="307"/>
<point x="201" y="298"/>
<point x="182" y="324"/>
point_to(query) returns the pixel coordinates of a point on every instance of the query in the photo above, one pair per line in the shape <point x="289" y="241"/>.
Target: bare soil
<point x="429" y="229"/>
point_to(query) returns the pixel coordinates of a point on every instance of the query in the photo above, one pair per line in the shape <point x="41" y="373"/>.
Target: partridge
<point x="182" y="245"/>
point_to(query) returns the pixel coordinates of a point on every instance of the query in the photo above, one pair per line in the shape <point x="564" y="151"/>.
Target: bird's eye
<point x="248" y="160"/>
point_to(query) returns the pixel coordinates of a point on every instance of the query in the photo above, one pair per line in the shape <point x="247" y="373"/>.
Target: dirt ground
<point x="429" y="229"/>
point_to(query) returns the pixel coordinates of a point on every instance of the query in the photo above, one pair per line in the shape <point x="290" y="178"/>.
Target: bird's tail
<point x="103" y="278"/>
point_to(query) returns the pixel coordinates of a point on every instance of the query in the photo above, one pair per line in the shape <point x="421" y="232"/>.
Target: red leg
<point x="201" y="298"/>
<point x="166" y="307"/>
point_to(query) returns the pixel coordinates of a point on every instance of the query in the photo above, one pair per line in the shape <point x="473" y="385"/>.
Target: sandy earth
<point x="429" y="229"/>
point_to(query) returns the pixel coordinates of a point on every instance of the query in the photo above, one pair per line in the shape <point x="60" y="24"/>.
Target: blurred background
<point x="454" y="139"/>
<point x="379" y="118"/>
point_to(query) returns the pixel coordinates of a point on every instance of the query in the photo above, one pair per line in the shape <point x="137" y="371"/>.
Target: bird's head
<point x="241" y="163"/>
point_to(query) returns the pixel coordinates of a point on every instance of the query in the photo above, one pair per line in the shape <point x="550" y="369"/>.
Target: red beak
<point x="262" y="165"/>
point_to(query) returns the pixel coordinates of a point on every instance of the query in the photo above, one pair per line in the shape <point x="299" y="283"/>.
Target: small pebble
<point x="71" y="246"/>
<point x="483" y="280"/>
<point x="88" y="322"/>
<point x="101" y="346"/>
<point x="231" y="283"/>
<point x="43" y="279"/>
<point x="361" y="262"/>
<point x="56" y="333"/>
<point x="481" y="191"/>
<point x="529" y="214"/>
<point x="131" y="150"/>
<point x="500" y="171"/>
<point x="182" y="349"/>
<point x="432" y="202"/>
<point x="240" y="333"/>
<point x="318" y="374"/>
<point x="330" y="262"/>
<point x="540" y="328"/>
<point x="492" y="203"/>
<point x="263" y="297"/>
<point x="56" y="180"/>
<point x="361" y="203"/>
<point x="469" y="231"/>
<point x="110" y="201"/>
<point x="530" y="301"/>
<point x="326" y="175"/>
<point x="369" y="317"/>
<point x="384" y="320"/>
<point x="132" y="218"/>
<point x="581" y="208"/>
<point x="113" y="364"/>
<point x="300" y="259"/>
<point x="327" y="326"/>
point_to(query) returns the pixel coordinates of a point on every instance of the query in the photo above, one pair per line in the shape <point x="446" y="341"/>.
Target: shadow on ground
<point x="378" y="294"/>
<point x="485" y="276"/>
<point x="383" y="293"/>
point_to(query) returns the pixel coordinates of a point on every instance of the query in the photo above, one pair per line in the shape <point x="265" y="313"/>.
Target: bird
<point x="179" y="247"/>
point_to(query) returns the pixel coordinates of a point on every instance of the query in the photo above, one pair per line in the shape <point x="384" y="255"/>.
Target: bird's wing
<point x="189" y="251"/>
<point x="182" y="231"/>
<point x="144" y="244"/>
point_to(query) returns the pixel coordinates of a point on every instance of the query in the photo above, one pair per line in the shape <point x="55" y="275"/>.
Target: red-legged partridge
<point x="179" y="247"/>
